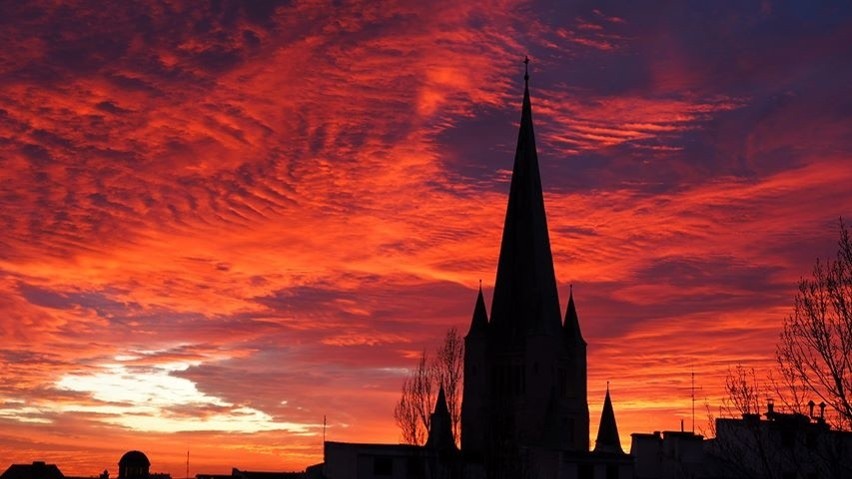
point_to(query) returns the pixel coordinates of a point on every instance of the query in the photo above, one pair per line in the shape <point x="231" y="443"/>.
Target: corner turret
<point x="608" y="440"/>
<point x="479" y="321"/>
<point x="476" y="386"/>
<point x="440" y="426"/>
<point x="571" y="327"/>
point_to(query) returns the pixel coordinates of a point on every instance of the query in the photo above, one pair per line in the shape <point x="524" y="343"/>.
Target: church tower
<point x="525" y="369"/>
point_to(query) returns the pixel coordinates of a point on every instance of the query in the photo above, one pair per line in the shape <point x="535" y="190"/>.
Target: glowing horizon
<point x="221" y="224"/>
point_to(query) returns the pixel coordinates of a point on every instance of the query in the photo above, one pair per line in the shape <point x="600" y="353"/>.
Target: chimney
<point x="770" y="406"/>
<point x="811" y="405"/>
<point x="822" y="410"/>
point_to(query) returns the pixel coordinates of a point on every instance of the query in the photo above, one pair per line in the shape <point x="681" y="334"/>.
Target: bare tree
<point x="814" y="361"/>
<point x="449" y="363"/>
<point x="815" y="347"/>
<point x="412" y="412"/>
<point x="740" y="443"/>
<point x="419" y="390"/>
<point x="743" y="390"/>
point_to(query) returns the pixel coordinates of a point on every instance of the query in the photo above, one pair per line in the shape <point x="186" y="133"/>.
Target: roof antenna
<point x="693" y="399"/>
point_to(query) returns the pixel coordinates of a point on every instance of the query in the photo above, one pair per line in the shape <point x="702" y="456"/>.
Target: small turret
<point x="441" y="426"/>
<point x="479" y="321"/>
<point x="571" y="327"/>
<point x="608" y="440"/>
<point x="475" y="381"/>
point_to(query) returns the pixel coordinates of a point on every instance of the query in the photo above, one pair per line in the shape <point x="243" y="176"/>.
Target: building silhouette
<point x="438" y="458"/>
<point x="524" y="411"/>
<point x="784" y="445"/>
<point x="36" y="470"/>
<point x="243" y="474"/>
<point x="525" y="369"/>
<point x="134" y="465"/>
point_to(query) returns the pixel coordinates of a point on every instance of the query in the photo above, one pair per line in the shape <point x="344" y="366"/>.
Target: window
<point x="788" y="437"/>
<point x="414" y="468"/>
<point x="611" y="472"/>
<point x="569" y="428"/>
<point x="382" y="466"/>
<point x="518" y="371"/>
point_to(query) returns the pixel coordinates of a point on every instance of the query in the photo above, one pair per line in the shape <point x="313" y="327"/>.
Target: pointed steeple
<point x="608" y="440"/>
<point x="572" y="322"/>
<point x="441" y="403"/>
<point x="525" y="295"/>
<point x="440" y="425"/>
<point x="479" y="321"/>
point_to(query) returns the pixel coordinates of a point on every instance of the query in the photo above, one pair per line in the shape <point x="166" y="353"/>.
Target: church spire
<point x="525" y="295"/>
<point x="479" y="321"/>
<point x="572" y="322"/>
<point x="608" y="440"/>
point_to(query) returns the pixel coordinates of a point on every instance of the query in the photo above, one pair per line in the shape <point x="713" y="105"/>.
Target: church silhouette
<point x="525" y="410"/>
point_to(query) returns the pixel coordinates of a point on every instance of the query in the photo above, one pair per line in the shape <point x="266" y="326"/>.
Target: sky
<point x="222" y="221"/>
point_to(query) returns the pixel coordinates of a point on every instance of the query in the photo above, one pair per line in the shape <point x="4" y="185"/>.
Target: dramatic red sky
<point x="221" y="221"/>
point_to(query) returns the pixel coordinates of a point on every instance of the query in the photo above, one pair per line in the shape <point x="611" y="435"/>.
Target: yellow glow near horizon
<point x="143" y="398"/>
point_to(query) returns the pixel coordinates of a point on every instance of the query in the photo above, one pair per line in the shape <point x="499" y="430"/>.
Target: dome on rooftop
<point x="134" y="458"/>
<point x="133" y="465"/>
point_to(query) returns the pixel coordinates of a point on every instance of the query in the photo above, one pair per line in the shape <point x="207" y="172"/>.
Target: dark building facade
<point x="783" y="445"/>
<point x="36" y="470"/>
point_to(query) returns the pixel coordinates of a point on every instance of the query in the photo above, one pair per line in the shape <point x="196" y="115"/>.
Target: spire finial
<point x="480" y="284"/>
<point x="571" y="289"/>
<point x="607" y="387"/>
<point x="526" y="68"/>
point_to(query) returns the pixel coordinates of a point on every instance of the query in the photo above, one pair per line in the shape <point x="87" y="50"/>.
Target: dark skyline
<point x="220" y="222"/>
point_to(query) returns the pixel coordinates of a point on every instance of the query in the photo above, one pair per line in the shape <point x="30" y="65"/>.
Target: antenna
<point x="324" y="426"/>
<point x="187" y="464"/>
<point x="693" y="400"/>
